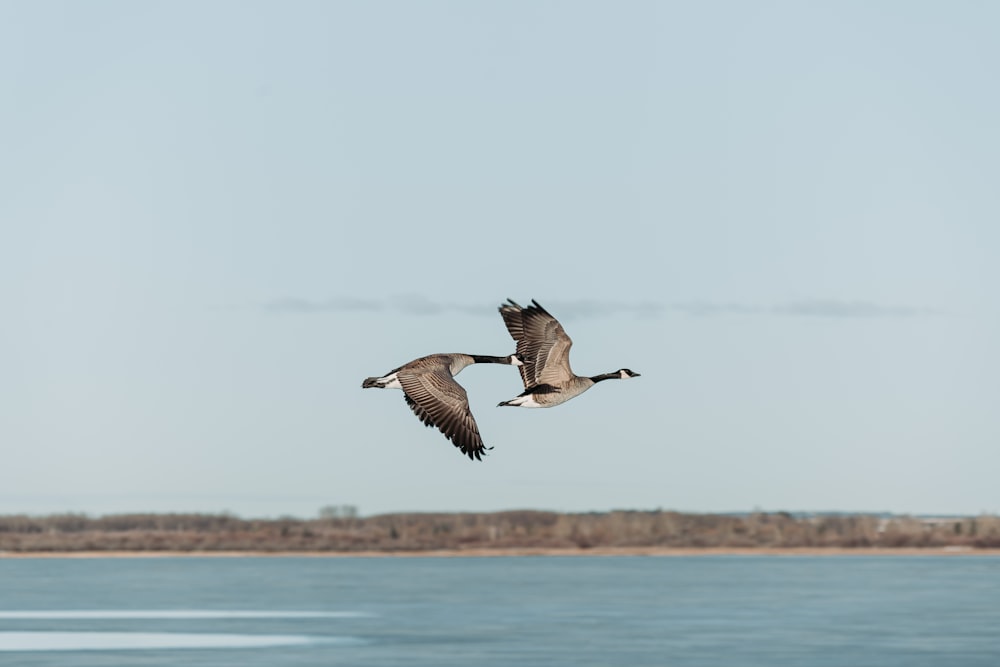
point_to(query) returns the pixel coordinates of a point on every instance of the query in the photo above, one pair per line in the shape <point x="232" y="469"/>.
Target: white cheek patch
<point x="514" y="361"/>
<point x="623" y="375"/>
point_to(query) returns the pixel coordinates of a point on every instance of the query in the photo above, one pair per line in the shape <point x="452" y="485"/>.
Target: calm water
<point x="432" y="612"/>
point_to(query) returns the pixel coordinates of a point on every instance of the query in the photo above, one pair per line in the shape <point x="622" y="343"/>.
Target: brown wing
<point x="541" y="342"/>
<point x="439" y="401"/>
<point x="511" y="313"/>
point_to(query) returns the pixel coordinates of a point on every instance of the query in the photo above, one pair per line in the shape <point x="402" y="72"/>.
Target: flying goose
<point x="543" y="346"/>
<point x="430" y="390"/>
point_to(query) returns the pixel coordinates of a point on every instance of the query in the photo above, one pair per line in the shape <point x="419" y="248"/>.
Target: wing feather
<point x="542" y="343"/>
<point x="439" y="401"/>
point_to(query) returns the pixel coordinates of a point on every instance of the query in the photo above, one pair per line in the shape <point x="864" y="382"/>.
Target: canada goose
<point x="543" y="346"/>
<point x="430" y="390"/>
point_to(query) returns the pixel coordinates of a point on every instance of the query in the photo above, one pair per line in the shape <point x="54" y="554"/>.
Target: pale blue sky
<point x="218" y="218"/>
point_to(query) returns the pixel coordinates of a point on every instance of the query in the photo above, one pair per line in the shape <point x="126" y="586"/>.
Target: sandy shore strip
<point x="488" y="553"/>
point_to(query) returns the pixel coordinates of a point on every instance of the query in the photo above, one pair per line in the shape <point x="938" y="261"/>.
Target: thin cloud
<point x="337" y="304"/>
<point x="421" y="306"/>
<point x="591" y="308"/>
<point x="406" y="304"/>
<point x="837" y="308"/>
<point x="414" y="304"/>
<point x="709" y="308"/>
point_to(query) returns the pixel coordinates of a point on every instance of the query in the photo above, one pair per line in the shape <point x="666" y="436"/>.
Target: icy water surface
<point x="435" y="612"/>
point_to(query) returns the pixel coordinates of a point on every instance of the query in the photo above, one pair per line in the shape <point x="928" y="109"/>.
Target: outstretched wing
<point x="439" y="401"/>
<point x="541" y="342"/>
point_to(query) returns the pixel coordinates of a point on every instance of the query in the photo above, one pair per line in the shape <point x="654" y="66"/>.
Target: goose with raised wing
<point x="430" y="389"/>
<point x="543" y="346"/>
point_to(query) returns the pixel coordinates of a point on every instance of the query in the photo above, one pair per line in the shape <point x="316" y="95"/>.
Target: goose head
<point x="625" y="373"/>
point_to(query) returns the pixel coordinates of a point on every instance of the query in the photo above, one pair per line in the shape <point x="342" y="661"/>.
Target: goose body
<point x="430" y="389"/>
<point x="543" y="346"/>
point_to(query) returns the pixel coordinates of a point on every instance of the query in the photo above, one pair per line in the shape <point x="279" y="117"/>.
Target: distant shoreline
<point x="512" y="533"/>
<point x="494" y="553"/>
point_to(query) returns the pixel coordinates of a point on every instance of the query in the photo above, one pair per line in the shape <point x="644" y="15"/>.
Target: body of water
<point x="711" y="611"/>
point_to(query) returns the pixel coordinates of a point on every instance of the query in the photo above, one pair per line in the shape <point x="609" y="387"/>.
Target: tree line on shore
<point x="335" y="532"/>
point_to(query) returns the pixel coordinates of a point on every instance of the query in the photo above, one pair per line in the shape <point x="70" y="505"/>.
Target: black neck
<point x="606" y="376"/>
<point x="486" y="359"/>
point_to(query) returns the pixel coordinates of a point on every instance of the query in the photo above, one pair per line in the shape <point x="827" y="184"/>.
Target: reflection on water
<point x="114" y="641"/>
<point x="112" y="614"/>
